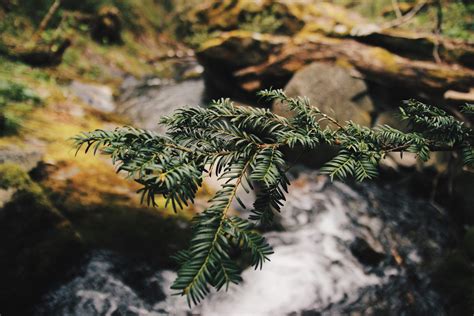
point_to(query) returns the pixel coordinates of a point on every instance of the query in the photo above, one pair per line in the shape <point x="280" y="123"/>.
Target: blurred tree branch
<point x="44" y="23"/>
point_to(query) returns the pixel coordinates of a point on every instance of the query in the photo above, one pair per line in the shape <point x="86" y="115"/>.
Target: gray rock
<point x="97" y="96"/>
<point x="148" y="101"/>
<point x="333" y="90"/>
<point x="25" y="158"/>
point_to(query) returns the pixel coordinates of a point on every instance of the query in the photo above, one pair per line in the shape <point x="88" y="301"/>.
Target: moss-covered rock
<point x="224" y="55"/>
<point x="37" y="243"/>
<point x="106" y="211"/>
<point x="266" y="16"/>
<point x="239" y="49"/>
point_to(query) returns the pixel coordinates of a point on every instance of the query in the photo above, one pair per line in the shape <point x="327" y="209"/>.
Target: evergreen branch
<point x="468" y="109"/>
<point x="250" y="240"/>
<point x="244" y="147"/>
<point x="209" y="246"/>
<point x="340" y="166"/>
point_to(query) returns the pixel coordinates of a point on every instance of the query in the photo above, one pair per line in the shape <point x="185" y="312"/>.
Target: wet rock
<point x="454" y="278"/>
<point x="462" y="196"/>
<point x="97" y="96"/>
<point x="365" y="253"/>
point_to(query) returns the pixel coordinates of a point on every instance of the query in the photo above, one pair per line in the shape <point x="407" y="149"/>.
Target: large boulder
<point x="333" y="90"/>
<point x="147" y="101"/>
<point x="99" y="97"/>
<point x="37" y="243"/>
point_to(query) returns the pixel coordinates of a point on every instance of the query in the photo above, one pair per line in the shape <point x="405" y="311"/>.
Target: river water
<point x="341" y="249"/>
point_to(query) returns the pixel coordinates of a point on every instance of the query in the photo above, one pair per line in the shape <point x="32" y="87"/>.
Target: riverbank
<point x="78" y="239"/>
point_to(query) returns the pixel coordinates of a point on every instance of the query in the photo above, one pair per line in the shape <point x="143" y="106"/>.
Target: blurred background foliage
<point x="458" y="15"/>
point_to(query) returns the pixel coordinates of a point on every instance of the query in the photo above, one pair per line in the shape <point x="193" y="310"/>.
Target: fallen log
<point x="420" y="46"/>
<point x="275" y="66"/>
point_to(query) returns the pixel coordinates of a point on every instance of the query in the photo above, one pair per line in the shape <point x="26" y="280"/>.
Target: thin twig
<point x="44" y="23"/>
<point x="407" y="17"/>
<point x="396" y="8"/>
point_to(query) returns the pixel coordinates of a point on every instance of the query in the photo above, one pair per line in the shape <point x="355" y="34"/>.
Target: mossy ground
<point x="83" y="187"/>
<point x="62" y="115"/>
<point x="457" y="15"/>
<point x="79" y="202"/>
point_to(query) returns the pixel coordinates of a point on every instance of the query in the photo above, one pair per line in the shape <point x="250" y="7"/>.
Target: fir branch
<point x="209" y="246"/>
<point x="244" y="147"/>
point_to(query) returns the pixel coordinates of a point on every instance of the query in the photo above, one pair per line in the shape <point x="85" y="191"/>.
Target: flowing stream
<point x="341" y="249"/>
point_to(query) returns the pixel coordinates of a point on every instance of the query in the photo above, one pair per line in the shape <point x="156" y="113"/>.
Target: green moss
<point x="133" y="231"/>
<point x="265" y="21"/>
<point x="13" y="176"/>
<point x="387" y="59"/>
<point x="457" y="16"/>
<point x="15" y="92"/>
<point x="16" y="101"/>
